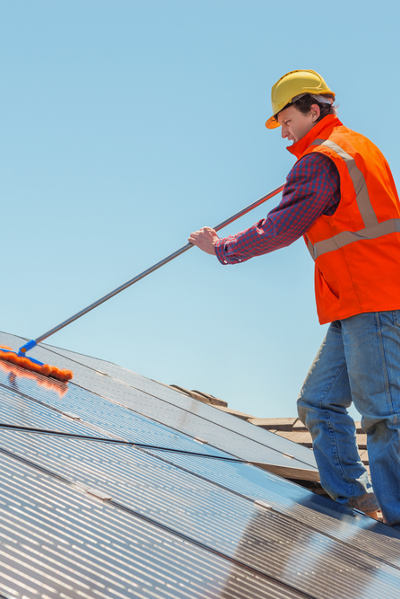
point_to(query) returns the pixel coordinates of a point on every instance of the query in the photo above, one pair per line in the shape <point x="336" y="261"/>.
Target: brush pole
<point x="143" y="274"/>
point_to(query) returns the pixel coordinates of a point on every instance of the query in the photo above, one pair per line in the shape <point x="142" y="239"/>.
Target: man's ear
<point x="315" y="111"/>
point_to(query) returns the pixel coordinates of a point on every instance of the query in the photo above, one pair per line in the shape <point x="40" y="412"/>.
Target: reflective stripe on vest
<point x="341" y="239"/>
<point x="372" y="229"/>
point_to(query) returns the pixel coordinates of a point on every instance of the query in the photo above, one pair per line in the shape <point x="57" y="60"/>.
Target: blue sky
<point x="127" y="125"/>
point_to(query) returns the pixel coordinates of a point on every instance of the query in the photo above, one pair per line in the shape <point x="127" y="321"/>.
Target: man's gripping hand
<point x="205" y="239"/>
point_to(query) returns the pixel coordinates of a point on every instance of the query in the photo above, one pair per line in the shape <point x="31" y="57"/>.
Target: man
<point x="340" y="195"/>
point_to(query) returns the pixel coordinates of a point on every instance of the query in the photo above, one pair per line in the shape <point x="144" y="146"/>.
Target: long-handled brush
<point x="21" y="359"/>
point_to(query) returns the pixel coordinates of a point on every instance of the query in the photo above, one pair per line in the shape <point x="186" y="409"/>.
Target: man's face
<point x="295" y="124"/>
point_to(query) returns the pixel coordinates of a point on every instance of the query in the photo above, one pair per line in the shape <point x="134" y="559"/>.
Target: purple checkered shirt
<point x="312" y="188"/>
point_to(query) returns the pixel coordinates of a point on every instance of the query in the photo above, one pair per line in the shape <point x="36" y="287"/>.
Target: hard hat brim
<point x="272" y="123"/>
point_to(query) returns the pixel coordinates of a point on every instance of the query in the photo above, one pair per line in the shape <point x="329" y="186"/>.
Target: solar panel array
<point x="86" y="513"/>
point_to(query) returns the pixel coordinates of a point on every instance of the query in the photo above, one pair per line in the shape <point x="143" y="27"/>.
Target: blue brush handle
<point x="29" y="345"/>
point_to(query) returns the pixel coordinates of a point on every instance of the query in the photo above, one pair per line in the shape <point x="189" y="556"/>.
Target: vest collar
<point x="322" y="129"/>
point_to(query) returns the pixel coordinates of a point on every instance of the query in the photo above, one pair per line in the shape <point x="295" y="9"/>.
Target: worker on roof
<point x="341" y="196"/>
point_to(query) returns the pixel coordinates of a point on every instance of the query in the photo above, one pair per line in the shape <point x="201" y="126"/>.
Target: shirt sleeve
<point x="312" y="188"/>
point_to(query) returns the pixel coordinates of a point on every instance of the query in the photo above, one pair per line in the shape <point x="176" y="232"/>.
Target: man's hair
<point x="305" y="102"/>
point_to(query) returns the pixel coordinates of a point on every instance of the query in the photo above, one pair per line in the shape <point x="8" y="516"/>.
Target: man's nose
<point x="283" y="132"/>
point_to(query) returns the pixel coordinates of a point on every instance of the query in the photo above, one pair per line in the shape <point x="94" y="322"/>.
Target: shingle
<point x="283" y="424"/>
<point x="203" y="397"/>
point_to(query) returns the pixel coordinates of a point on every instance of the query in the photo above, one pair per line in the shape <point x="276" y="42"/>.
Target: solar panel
<point x="87" y="518"/>
<point x="58" y="541"/>
<point x="186" y="415"/>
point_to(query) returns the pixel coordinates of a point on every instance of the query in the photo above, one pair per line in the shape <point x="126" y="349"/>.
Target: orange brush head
<point x="15" y="373"/>
<point x="24" y="362"/>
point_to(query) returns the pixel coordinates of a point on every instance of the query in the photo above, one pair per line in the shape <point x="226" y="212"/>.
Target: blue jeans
<point x="359" y="361"/>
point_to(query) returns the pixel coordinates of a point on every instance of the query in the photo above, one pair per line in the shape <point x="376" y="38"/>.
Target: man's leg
<point x="322" y="406"/>
<point x="372" y="349"/>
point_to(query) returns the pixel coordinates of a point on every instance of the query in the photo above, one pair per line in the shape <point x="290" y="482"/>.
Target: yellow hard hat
<point x="291" y="85"/>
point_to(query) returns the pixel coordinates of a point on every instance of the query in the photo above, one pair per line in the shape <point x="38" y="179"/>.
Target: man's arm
<point x="312" y="188"/>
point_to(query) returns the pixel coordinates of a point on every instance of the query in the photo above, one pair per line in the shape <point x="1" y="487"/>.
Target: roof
<point x="86" y="518"/>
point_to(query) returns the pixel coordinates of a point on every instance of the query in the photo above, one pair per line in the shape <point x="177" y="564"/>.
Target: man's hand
<point x="205" y="239"/>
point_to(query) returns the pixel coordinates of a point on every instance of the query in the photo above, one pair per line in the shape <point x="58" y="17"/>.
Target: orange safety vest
<point x="356" y="249"/>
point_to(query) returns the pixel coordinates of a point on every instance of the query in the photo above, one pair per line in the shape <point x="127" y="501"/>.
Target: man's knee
<point x="303" y="408"/>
